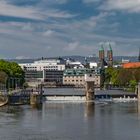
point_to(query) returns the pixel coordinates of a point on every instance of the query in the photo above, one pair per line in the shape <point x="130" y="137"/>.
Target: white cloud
<point x="29" y="12"/>
<point x="124" y="5"/>
<point x="72" y="46"/>
<point x="27" y="27"/>
<point x="77" y="47"/>
<point x="15" y="28"/>
<point x="48" y="33"/>
<point x="55" y="13"/>
<point x="7" y="9"/>
<point x="95" y="19"/>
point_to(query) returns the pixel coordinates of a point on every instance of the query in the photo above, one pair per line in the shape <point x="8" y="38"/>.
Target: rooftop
<point x="131" y="65"/>
<point x="77" y="72"/>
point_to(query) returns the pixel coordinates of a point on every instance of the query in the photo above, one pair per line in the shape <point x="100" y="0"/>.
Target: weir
<point x="65" y="98"/>
<point x="35" y="96"/>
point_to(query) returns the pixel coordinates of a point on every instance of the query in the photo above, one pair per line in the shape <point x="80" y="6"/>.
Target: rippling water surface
<point x="71" y="121"/>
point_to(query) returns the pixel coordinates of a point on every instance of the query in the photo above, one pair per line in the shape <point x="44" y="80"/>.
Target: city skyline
<point x="34" y="28"/>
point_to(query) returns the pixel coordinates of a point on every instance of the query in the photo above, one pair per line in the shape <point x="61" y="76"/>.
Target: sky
<point x="47" y="28"/>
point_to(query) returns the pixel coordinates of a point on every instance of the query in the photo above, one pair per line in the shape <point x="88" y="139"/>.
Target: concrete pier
<point x="89" y="86"/>
<point x="36" y="97"/>
<point x="90" y="90"/>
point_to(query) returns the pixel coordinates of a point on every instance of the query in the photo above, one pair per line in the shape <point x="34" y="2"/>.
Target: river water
<point x="71" y="121"/>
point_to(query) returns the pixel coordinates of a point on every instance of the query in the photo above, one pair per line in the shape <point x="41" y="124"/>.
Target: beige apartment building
<point x="76" y="77"/>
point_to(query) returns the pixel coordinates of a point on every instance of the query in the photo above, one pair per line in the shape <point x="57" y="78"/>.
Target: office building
<point x="45" y="70"/>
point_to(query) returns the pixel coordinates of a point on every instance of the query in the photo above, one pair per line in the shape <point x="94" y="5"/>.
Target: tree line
<point x="121" y="77"/>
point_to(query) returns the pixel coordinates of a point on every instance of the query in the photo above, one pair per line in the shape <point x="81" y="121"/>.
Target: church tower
<point x="110" y="56"/>
<point x="101" y="54"/>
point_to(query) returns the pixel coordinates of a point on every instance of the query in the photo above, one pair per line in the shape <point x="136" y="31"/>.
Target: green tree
<point x="11" y="70"/>
<point x="111" y="76"/>
<point x="132" y="84"/>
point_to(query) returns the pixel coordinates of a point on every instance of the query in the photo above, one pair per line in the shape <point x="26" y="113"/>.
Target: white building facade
<point x="40" y="65"/>
<point x="45" y="70"/>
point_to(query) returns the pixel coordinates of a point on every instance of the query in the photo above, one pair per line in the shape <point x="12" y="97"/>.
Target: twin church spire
<point x="109" y="56"/>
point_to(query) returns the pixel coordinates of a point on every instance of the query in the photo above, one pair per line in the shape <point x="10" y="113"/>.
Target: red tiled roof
<point x="131" y="65"/>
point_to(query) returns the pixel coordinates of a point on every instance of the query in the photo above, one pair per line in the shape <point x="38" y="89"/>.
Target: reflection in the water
<point x="71" y="121"/>
<point x="15" y="110"/>
<point x="36" y="106"/>
<point x="89" y="109"/>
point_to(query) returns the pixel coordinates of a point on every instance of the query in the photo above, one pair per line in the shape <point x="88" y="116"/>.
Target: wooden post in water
<point x="89" y="79"/>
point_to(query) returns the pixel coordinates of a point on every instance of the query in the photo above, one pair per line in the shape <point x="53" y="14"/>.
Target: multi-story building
<point x="44" y="64"/>
<point x="53" y="76"/>
<point x="76" y="77"/>
<point x="34" y="75"/>
<point x="45" y="70"/>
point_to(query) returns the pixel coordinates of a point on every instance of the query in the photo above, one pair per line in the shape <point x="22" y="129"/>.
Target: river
<point x="71" y="121"/>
